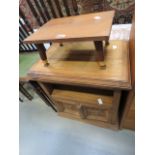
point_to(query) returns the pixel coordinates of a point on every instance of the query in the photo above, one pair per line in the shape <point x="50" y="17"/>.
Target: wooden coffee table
<point x="94" y="27"/>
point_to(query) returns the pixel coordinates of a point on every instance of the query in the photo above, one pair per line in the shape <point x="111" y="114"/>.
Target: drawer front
<point x="97" y="114"/>
<point x="73" y="109"/>
<point x="80" y="110"/>
<point x="90" y="98"/>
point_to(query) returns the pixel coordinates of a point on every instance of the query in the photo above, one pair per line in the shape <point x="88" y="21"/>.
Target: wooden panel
<point x="74" y="109"/>
<point x="85" y="98"/>
<point x="84" y="104"/>
<point x="79" y="110"/>
<point x="129" y="121"/>
<point x="98" y="114"/>
<point x="75" y="64"/>
<point x="115" y="108"/>
<point x="132" y="51"/>
<point x="75" y="28"/>
<point x="128" y="115"/>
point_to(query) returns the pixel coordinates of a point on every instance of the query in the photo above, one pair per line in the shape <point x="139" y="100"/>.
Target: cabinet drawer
<point x="73" y="109"/>
<point x="83" y="104"/>
<point x="97" y="114"/>
<point x="81" y="111"/>
<point x="97" y="99"/>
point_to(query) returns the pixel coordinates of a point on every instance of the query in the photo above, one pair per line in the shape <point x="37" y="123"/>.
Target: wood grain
<point x="128" y="115"/>
<point x="75" y="28"/>
<point x="73" y="96"/>
<point x="100" y="50"/>
<point x="75" y="64"/>
<point x="83" y="104"/>
<point x="93" y="122"/>
<point x="132" y="51"/>
<point x="115" y="108"/>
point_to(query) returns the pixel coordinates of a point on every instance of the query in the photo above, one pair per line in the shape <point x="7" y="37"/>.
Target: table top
<point x="87" y="27"/>
<point x="75" y="64"/>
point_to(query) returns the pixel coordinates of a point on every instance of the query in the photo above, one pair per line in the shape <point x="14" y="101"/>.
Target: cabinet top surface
<point x="75" y="63"/>
<point x="93" y="26"/>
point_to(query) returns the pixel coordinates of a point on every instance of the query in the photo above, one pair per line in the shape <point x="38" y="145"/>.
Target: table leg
<point x="20" y="99"/>
<point x="107" y="41"/>
<point x="25" y="92"/>
<point x="42" y="53"/>
<point x="100" y="52"/>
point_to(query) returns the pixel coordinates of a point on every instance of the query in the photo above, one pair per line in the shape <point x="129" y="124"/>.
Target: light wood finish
<point x="75" y="64"/>
<point x="90" y="27"/>
<point x="128" y="119"/>
<point x="88" y="99"/>
<point x="84" y="104"/>
<point x="132" y="51"/>
<point x="75" y="28"/>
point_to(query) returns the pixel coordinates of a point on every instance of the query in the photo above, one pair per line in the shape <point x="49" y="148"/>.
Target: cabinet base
<point x="96" y="123"/>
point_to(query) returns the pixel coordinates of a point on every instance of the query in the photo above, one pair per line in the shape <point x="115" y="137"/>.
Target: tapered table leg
<point x="42" y="53"/>
<point x="100" y="52"/>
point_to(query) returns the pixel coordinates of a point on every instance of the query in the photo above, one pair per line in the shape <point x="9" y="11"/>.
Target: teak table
<point x="94" y="27"/>
<point x="78" y="88"/>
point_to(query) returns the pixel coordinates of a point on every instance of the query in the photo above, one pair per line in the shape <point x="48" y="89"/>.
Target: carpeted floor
<point x="42" y="132"/>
